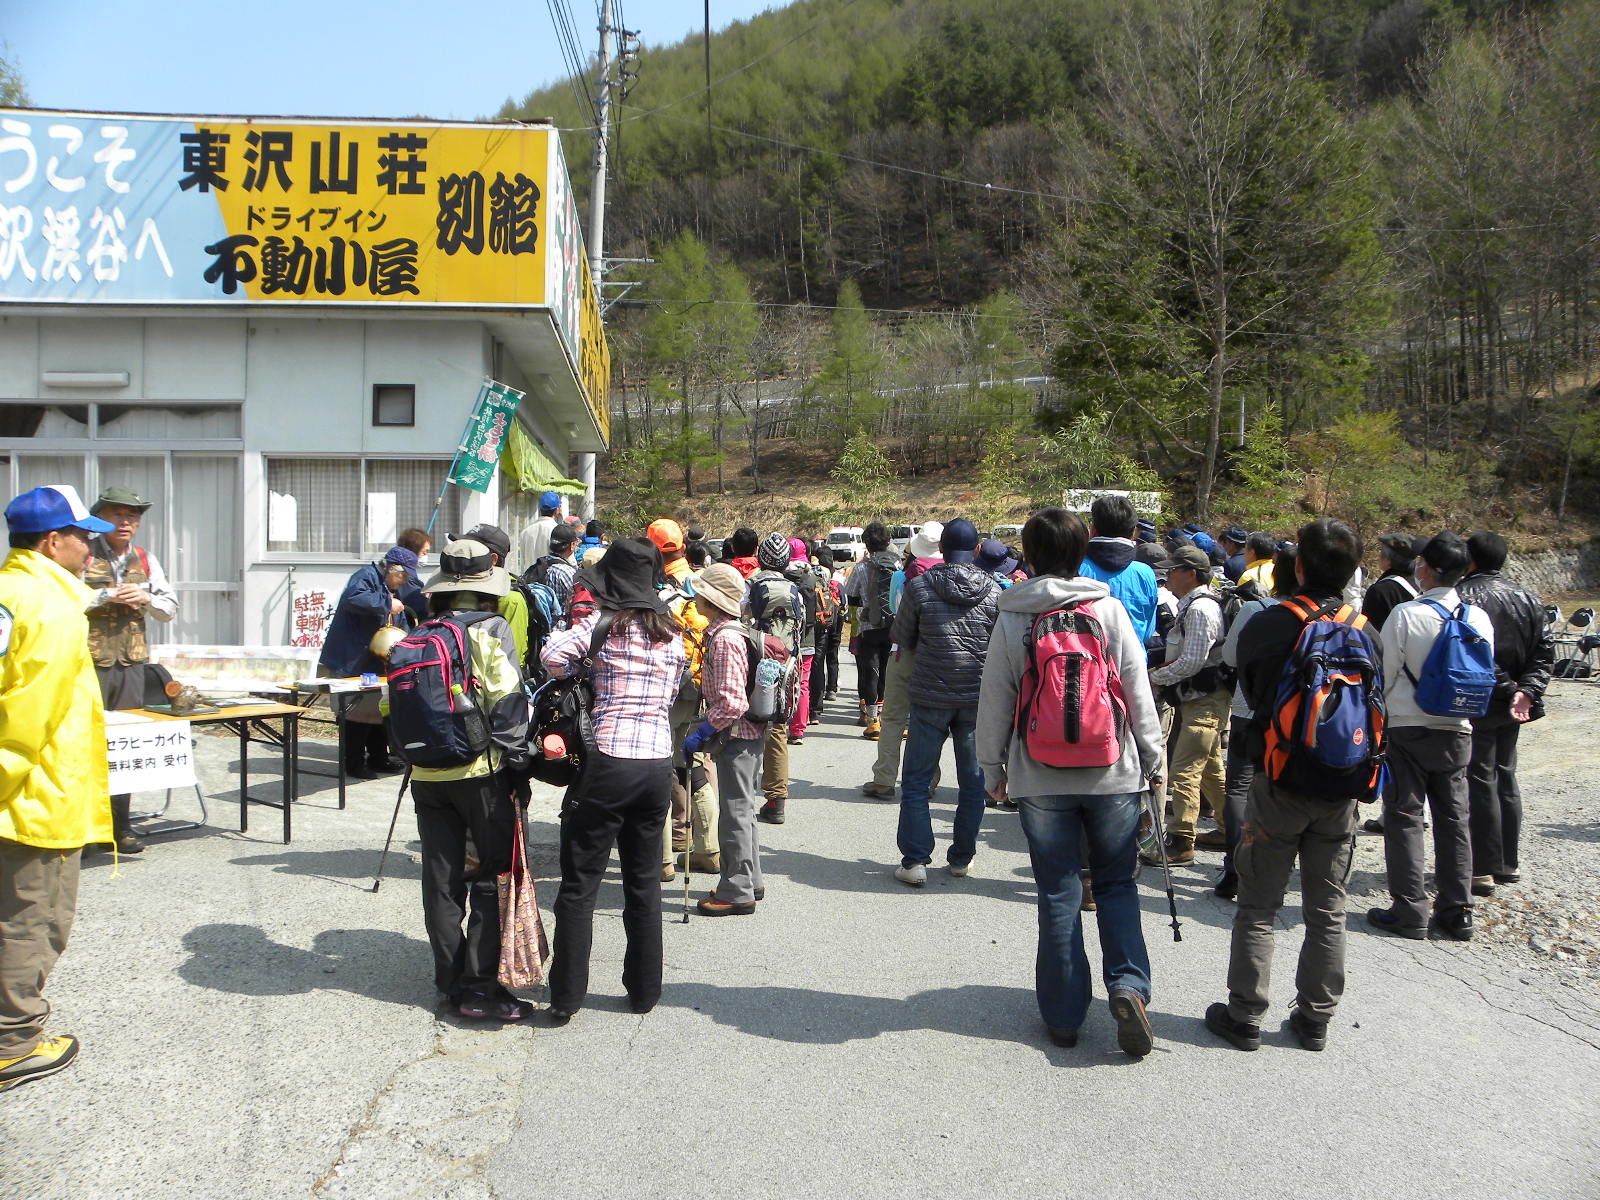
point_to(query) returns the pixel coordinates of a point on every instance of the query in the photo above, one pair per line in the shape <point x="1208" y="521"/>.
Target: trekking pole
<point x="405" y="782"/>
<point x="688" y="804"/>
<point x="1158" y="827"/>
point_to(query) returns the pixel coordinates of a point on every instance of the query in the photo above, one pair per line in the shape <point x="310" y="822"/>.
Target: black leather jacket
<point x="1524" y="648"/>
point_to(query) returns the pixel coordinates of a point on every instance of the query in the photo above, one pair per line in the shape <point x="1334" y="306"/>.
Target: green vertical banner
<point x="487" y="431"/>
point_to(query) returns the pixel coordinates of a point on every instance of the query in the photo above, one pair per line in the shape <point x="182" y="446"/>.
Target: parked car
<point x="846" y="544"/>
<point x="1006" y="533"/>
<point x="900" y="537"/>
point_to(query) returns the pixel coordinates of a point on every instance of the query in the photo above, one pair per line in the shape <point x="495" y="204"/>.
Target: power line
<point x="1057" y="197"/>
<point x="563" y="24"/>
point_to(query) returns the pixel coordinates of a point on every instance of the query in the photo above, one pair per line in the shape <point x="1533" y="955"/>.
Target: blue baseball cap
<point x="549" y="502"/>
<point x="54" y="507"/>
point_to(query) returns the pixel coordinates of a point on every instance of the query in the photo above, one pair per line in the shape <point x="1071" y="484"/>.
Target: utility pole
<point x="597" y="215"/>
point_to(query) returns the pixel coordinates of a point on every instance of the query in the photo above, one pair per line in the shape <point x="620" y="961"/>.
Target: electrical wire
<point x="721" y="79"/>
<point x="563" y="24"/>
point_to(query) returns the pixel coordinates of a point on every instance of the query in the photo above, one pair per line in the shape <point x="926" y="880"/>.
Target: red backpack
<point x="1070" y="708"/>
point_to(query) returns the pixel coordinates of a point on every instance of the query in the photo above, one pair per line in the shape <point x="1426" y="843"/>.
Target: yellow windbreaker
<point x="53" y="788"/>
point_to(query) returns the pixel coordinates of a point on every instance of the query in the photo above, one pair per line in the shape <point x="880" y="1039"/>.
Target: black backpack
<point x="875" y="596"/>
<point x="435" y="719"/>
<point x="561" y="733"/>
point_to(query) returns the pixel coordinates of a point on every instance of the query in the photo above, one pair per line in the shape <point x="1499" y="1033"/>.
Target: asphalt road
<point x="256" y="1023"/>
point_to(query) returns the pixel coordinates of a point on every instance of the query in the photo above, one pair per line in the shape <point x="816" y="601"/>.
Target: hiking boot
<point x="1483" y="885"/>
<point x="1179" y="851"/>
<point x="668" y="872"/>
<point x="709" y="862"/>
<point x="878" y="791"/>
<point x="359" y="771"/>
<point x="1384" y="921"/>
<point x="1211" y="839"/>
<point x="712" y="907"/>
<point x="1088" y="903"/>
<point x="772" y="812"/>
<point x="1235" y="1033"/>
<point x="49" y="1056"/>
<point x="872" y="731"/>
<point x="861" y="714"/>
<point x="1455" y="925"/>
<point x="1311" y="1033"/>
<point x="796" y="738"/>
<point x="1134" y="1035"/>
<point x="760" y="894"/>
<point x="1372" y="825"/>
<point x="128" y="844"/>
<point x="1507" y="877"/>
<point x="1065" y="1038"/>
<point x="913" y="876"/>
<point x="830" y="696"/>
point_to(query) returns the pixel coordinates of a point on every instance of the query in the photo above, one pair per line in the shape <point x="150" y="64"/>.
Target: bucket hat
<point x="627" y="576"/>
<point x="120" y="495"/>
<point x="721" y="586"/>
<point x="925" y="542"/>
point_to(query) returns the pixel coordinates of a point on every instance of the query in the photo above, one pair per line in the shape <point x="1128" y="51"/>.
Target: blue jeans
<point x="927" y="729"/>
<point x="1055" y="826"/>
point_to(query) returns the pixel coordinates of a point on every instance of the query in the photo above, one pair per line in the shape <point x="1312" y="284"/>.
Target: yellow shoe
<point x="871" y="731"/>
<point x="49" y="1056"/>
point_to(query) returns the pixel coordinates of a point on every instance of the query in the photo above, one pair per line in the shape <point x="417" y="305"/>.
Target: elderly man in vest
<point x="128" y="584"/>
<point x="52" y="765"/>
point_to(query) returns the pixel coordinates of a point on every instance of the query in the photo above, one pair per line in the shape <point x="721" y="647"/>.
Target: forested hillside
<point x="1318" y="255"/>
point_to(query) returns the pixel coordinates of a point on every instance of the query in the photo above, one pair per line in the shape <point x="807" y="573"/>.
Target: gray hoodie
<point x="1001" y="752"/>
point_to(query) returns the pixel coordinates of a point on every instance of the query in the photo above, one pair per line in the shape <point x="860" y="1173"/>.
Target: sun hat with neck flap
<point x="627" y="576"/>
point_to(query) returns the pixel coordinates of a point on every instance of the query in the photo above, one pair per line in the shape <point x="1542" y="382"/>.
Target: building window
<point x="355" y="507"/>
<point x="394" y="404"/>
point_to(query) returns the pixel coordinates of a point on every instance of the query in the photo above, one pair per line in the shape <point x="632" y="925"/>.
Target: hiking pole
<point x="688" y="807"/>
<point x="405" y="781"/>
<point x="1158" y="827"/>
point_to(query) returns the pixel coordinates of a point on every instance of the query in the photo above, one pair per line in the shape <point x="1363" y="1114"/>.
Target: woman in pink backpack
<point x="1067" y="727"/>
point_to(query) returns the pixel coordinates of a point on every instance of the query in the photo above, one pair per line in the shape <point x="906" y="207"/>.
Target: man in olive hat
<point x="129" y="585"/>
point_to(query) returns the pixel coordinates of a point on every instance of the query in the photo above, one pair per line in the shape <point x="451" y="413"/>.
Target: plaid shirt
<point x="635" y="682"/>
<point x="725" y="680"/>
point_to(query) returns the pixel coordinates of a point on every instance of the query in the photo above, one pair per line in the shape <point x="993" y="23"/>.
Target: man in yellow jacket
<point x="54" y="797"/>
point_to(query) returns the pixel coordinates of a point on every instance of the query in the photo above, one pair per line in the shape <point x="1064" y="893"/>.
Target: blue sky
<point x="451" y="60"/>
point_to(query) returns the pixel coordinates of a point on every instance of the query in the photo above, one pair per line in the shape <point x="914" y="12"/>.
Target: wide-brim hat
<point x="1401" y="547"/>
<point x="627" y="576"/>
<point x="124" y="496"/>
<point x="722" y="587"/>
<point x="925" y="542"/>
<point x="466" y="565"/>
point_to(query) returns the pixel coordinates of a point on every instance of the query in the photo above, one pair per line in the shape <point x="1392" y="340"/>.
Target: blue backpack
<point x="1326" y="734"/>
<point x="1458" y="677"/>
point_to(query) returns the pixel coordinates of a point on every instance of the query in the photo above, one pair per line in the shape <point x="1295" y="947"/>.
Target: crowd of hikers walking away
<point x="1132" y="697"/>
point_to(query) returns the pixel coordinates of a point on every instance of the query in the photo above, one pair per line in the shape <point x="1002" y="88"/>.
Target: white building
<point x="285" y="369"/>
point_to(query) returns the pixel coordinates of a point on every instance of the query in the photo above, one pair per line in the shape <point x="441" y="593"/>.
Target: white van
<point x="844" y="541"/>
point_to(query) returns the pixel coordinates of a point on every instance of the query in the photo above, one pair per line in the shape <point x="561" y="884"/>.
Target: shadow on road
<point x="375" y="963"/>
<point x="812" y="1017"/>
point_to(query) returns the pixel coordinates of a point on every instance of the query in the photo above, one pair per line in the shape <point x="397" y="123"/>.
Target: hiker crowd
<point x="1115" y="688"/>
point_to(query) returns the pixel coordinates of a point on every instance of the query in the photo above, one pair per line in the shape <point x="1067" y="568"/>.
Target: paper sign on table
<point x="150" y="756"/>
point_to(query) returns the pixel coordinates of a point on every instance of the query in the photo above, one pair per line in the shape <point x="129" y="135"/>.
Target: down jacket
<point x="1524" y="648"/>
<point x="946" y="616"/>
